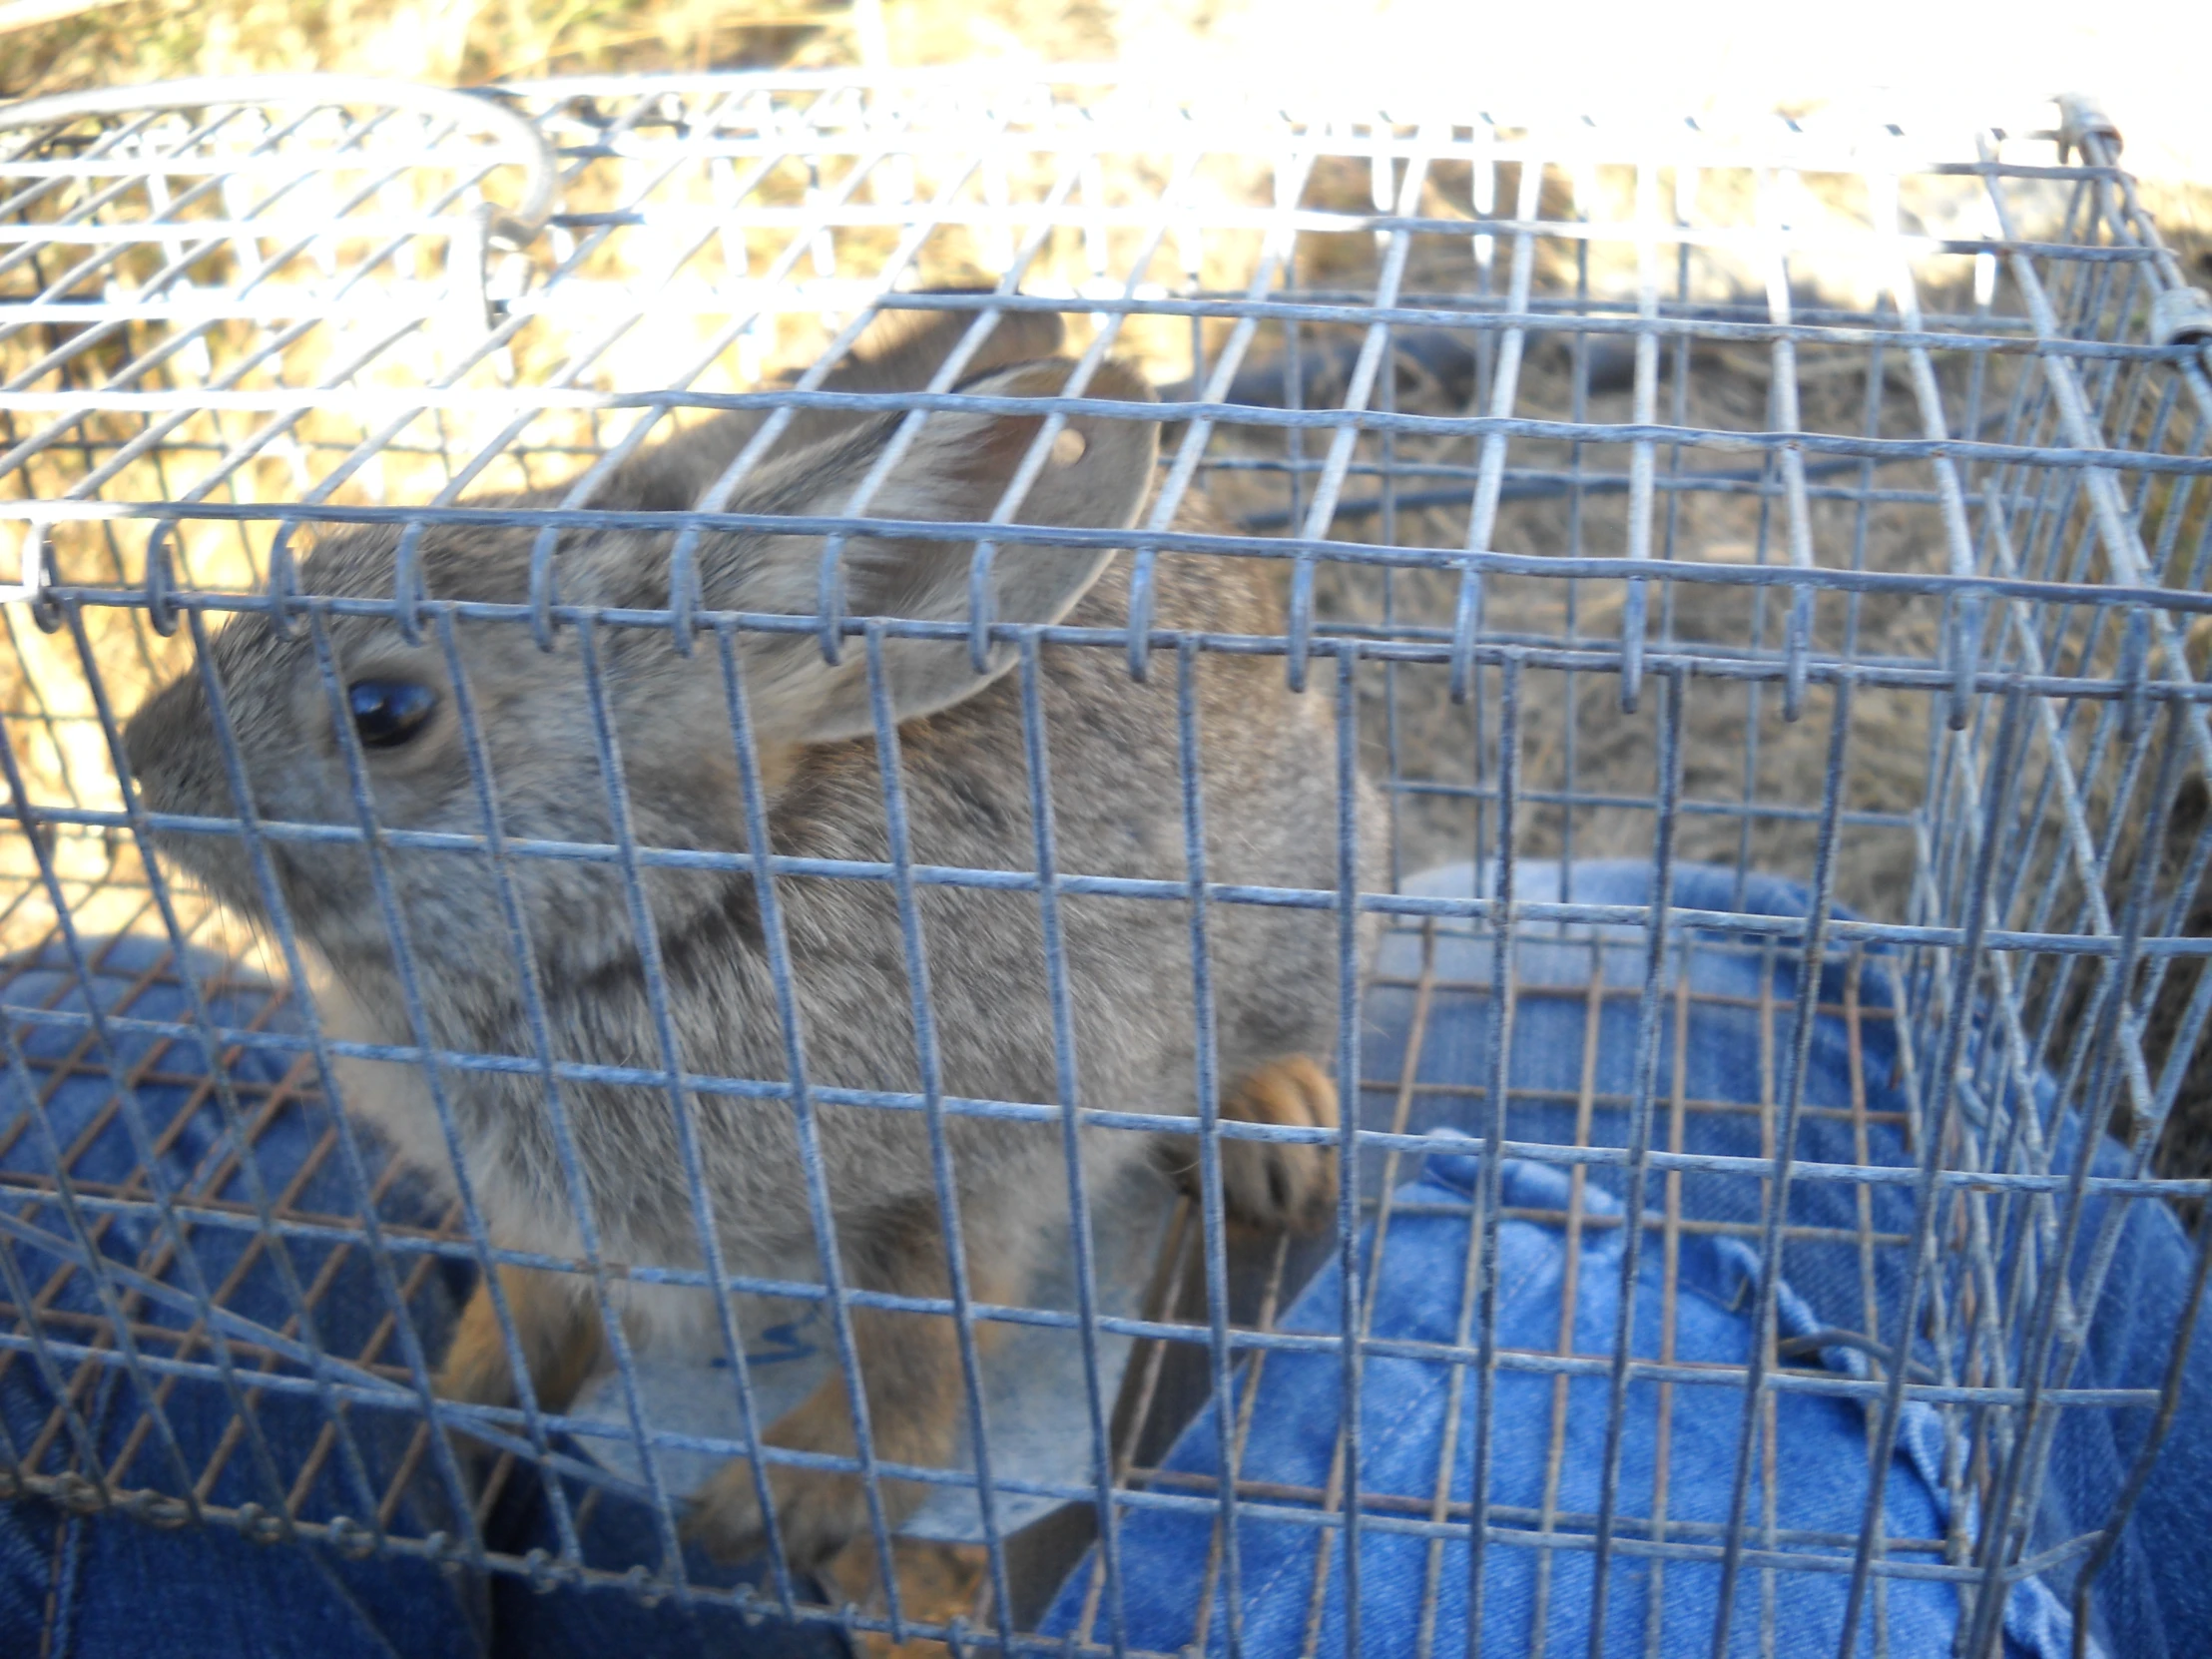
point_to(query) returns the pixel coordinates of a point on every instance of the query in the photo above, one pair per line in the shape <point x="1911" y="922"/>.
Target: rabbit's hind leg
<point x="910" y="1366"/>
<point x="554" y="1322"/>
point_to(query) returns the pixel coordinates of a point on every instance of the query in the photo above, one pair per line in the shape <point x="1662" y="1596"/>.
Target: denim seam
<point x="1390" y="1439"/>
<point x="54" y="1593"/>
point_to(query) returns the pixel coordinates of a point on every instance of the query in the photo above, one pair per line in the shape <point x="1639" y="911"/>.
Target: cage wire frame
<point x="390" y="297"/>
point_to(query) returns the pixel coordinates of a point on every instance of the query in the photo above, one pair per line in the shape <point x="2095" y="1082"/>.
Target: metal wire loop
<point x="1466" y="624"/>
<point x="1635" y="623"/>
<point x="543" y="622"/>
<point x="160" y="579"/>
<point x="2134" y="671"/>
<point x="38" y="578"/>
<point x="830" y="600"/>
<point x="1299" y="642"/>
<point x="406" y="584"/>
<point x="1141" y="581"/>
<point x="283" y="586"/>
<point x="982" y="606"/>
<point x="685" y="594"/>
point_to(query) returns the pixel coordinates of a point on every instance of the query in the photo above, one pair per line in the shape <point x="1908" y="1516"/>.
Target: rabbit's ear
<point x="900" y="353"/>
<point x="957" y="469"/>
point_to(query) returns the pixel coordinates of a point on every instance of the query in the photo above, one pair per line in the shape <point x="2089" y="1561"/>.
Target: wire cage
<point x="1758" y="573"/>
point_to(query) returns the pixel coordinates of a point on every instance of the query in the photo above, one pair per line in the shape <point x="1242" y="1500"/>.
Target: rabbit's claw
<point x="1289" y="1185"/>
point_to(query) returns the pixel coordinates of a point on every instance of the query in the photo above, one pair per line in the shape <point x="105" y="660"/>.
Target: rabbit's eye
<point x="389" y="712"/>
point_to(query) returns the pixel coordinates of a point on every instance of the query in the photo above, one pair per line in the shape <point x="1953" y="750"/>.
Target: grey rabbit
<point x="1269" y="764"/>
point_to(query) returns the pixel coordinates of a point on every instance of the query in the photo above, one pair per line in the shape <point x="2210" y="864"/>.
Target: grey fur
<point x="1268" y="762"/>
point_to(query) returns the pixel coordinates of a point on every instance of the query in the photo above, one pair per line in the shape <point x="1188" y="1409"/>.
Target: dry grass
<point x="1740" y="748"/>
<point x="445" y="41"/>
<point x="1574" y="737"/>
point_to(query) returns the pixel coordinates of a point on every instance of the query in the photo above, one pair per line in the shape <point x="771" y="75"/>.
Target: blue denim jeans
<point x="99" y="1585"/>
<point x="103" y="1586"/>
<point x="2154" y="1598"/>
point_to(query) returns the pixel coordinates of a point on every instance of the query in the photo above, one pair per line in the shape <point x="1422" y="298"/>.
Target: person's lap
<point x="99" y="1583"/>
<point x="1573" y="1080"/>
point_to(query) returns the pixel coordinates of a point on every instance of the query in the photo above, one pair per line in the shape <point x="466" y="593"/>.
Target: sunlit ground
<point x="1946" y="67"/>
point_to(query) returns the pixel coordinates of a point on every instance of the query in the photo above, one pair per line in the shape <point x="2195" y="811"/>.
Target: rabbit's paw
<point x="559" y="1337"/>
<point x="1280" y="1184"/>
<point x="937" y="1583"/>
<point x="818" y="1511"/>
<point x="476" y="1371"/>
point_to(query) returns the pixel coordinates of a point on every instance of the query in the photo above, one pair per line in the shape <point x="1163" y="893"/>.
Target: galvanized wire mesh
<point x="1829" y="503"/>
